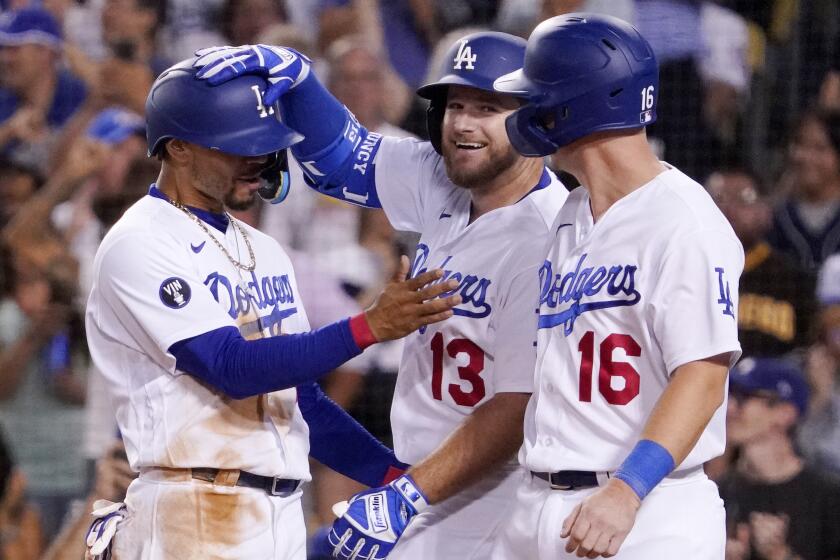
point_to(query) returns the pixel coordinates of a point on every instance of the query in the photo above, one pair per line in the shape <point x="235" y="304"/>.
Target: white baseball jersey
<point x="450" y="368"/>
<point x="624" y="302"/>
<point x="159" y="279"/>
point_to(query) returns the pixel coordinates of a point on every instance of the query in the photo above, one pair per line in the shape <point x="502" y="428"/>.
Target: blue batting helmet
<point x="230" y="117"/>
<point x="475" y="60"/>
<point x="583" y="73"/>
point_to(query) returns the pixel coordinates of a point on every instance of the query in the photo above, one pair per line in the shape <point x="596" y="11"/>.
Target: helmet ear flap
<point x="275" y="182"/>
<point x="434" y="121"/>
<point x="527" y="135"/>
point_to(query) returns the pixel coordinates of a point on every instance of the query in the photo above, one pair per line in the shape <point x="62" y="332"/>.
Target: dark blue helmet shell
<point x="230" y="117"/>
<point x="583" y="73"/>
<point x="475" y="60"/>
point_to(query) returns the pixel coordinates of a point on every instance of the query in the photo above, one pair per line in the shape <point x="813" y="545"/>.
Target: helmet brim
<point x="515" y="83"/>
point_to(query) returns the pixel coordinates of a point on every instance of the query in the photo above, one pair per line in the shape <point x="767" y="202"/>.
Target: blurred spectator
<point x="820" y="434"/>
<point x="244" y="20"/>
<point x="806" y="224"/>
<point x="829" y="98"/>
<point x="37" y="98"/>
<point x="130" y="27"/>
<point x="191" y="25"/>
<point x="776" y="506"/>
<point x="82" y="24"/>
<point x="40" y="394"/>
<point x="828" y="286"/>
<point x="776" y="301"/>
<point x="20" y="529"/>
<point x="113" y="475"/>
<point x="17" y="184"/>
<point x="404" y="29"/>
<point x="357" y="78"/>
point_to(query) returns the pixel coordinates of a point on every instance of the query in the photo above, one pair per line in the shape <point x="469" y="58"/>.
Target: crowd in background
<point x="749" y="106"/>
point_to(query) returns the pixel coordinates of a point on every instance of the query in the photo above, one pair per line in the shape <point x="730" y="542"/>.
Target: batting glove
<point x="108" y="516"/>
<point x="283" y="67"/>
<point x="371" y="523"/>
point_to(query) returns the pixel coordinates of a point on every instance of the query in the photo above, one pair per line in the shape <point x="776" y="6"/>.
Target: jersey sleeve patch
<point x="175" y="292"/>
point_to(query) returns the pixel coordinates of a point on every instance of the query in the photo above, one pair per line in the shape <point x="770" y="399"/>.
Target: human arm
<point x="338" y="156"/>
<point x="692" y="317"/>
<point x="468" y="454"/>
<point x="241" y="368"/>
<point x="85" y="157"/>
<point x="600" y="523"/>
<point x="458" y="462"/>
<point x="339" y="442"/>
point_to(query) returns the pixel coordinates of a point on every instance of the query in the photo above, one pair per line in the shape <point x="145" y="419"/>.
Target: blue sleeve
<point x="341" y="443"/>
<point x="337" y="153"/>
<point x="243" y="368"/>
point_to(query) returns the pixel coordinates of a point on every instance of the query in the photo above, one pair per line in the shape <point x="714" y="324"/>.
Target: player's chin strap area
<point x="274" y="178"/>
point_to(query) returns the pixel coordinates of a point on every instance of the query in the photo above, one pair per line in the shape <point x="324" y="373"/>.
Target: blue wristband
<point x="645" y="467"/>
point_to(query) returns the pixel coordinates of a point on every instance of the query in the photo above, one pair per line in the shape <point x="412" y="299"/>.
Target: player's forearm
<point x="339" y="442"/>
<point x="471" y="452"/>
<point x="337" y="152"/>
<point x="240" y="368"/>
<point x="695" y="392"/>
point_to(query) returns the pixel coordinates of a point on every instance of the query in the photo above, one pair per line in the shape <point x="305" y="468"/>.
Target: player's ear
<point x="178" y="151"/>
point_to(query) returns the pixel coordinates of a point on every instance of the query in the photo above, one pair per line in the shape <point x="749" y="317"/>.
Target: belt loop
<point x="226" y="477"/>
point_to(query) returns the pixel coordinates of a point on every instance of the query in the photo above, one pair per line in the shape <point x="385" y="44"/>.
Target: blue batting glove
<point x="371" y="523"/>
<point x="283" y="67"/>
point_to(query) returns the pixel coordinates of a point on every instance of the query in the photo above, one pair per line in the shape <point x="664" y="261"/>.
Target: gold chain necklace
<point x="247" y="268"/>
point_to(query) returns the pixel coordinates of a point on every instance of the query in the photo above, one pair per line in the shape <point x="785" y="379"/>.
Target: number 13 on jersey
<point x="469" y="373"/>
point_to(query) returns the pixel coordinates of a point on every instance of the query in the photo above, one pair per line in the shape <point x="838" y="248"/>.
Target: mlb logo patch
<point x="645" y="117"/>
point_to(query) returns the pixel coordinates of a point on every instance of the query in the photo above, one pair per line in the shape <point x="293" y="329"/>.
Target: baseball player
<point x="483" y="213"/>
<point x="217" y="410"/>
<point x="637" y="317"/>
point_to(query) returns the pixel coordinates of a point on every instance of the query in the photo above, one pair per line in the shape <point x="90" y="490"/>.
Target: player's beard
<point x="239" y="203"/>
<point x="480" y="176"/>
<point x="222" y="190"/>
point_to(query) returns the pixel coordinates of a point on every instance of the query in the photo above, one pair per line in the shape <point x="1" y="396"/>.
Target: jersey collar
<point x="218" y="221"/>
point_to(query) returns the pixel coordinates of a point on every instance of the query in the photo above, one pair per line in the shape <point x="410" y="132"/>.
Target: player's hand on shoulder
<point x="600" y="523"/>
<point x="371" y="522"/>
<point x="406" y="304"/>
<point x="283" y="67"/>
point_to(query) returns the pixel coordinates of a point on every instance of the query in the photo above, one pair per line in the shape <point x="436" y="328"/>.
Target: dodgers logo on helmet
<point x="583" y="73"/>
<point x="230" y="117"/>
<point x="475" y="60"/>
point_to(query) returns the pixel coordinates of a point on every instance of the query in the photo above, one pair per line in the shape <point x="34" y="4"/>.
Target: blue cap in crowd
<point x="29" y="26"/>
<point x="773" y="376"/>
<point x="113" y="125"/>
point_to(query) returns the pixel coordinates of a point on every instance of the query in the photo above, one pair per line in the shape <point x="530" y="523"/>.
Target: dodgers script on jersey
<point x="625" y="301"/>
<point x="449" y="369"/>
<point x="186" y="287"/>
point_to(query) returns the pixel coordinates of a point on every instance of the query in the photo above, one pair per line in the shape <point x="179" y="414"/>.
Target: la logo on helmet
<point x="465" y="55"/>
<point x="261" y="108"/>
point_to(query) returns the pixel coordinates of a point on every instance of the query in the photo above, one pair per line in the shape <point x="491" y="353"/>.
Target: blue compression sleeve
<point x="645" y="467"/>
<point x="337" y="153"/>
<point x="341" y="443"/>
<point x="243" y="368"/>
